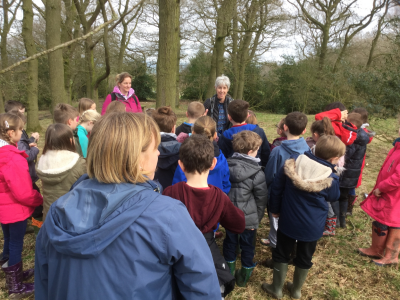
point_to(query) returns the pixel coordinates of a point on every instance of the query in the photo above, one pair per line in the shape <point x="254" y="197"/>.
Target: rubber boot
<point x="232" y="266"/>
<point x="25" y="274"/>
<point x="336" y="210"/>
<point x="243" y="275"/>
<point x="299" y="278"/>
<point x="330" y="227"/>
<point x="17" y="289"/>
<point x="392" y="249"/>
<point x="278" y="280"/>
<point x="377" y="248"/>
<point x="343" y="211"/>
<point x="351" y="201"/>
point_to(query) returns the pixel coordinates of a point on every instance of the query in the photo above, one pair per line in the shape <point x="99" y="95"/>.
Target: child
<point x="237" y="115"/>
<point x="299" y="197"/>
<point x="169" y="146"/>
<point x="14" y="105"/>
<point x="249" y="193"/>
<point x="219" y="176"/>
<point x="115" y="106"/>
<point x="252" y="118"/>
<point x="352" y="168"/>
<point x="337" y="113"/>
<point x="86" y="104"/>
<point x="206" y="204"/>
<point x="86" y="123"/>
<point x="383" y="205"/>
<point x="281" y="132"/>
<point x="294" y="126"/>
<point x="352" y="195"/>
<point x="18" y="201"/>
<point x="194" y="111"/>
<point x="59" y="166"/>
<point x="66" y="114"/>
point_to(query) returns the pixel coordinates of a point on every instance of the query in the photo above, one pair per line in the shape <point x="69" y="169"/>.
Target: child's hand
<point x="276" y="215"/>
<point x="344" y="115"/>
<point x="33" y="145"/>
<point x="205" y="113"/>
<point x="377" y="193"/>
<point x="35" y="135"/>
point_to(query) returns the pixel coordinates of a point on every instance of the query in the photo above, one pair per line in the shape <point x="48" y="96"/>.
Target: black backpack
<point x="114" y="97"/>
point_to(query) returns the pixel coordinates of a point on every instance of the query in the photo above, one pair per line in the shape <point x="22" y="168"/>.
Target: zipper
<point x="390" y="167"/>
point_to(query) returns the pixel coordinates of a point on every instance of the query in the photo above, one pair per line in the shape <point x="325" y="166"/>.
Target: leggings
<point x="13" y="241"/>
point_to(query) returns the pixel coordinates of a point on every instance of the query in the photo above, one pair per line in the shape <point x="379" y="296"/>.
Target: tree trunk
<point x="166" y="63"/>
<point x="56" y="64"/>
<point x="324" y="47"/>
<point x="122" y="48"/>
<point x="1" y="101"/>
<point x="32" y="85"/>
<point x="213" y="75"/>
<point x="178" y="52"/>
<point x="234" y="57"/>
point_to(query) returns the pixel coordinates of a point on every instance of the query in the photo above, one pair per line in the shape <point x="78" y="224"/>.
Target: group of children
<point x="225" y="178"/>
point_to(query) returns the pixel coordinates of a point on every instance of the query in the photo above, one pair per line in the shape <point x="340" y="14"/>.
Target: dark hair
<point x="19" y="114"/>
<point x="356" y="119"/>
<point x="323" y="127"/>
<point x="116" y="106"/>
<point x="64" y="112"/>
<point x="296" y="122"/>
<point x="329" y="146"/>
<point x="12" y="105"/>
<point x="85" y="104"/>
<point x="251" y="119"/>
<point x="280" y="124"/>
<point x="165" y="118"/>
<point x="197" y="154"/>
<point x="334" y="105"/>
<point x="238" y="110"/>
<point x="59" y="137"/>
<point x="121" y="77"/>
<point x="363" y="112"/>
<point x="246" y="141"/>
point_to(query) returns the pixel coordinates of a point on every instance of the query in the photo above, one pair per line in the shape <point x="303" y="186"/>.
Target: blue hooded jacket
<point x="218" y="177"/>
<point x="301" y="190"/>
<point x="121" y="241"/>
<point x="225" y="141"/>
<point x="280" y="154"/>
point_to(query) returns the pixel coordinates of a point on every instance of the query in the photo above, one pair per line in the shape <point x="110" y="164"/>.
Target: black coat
<point x="215" y="113"/>
<point x="353" y="160"/>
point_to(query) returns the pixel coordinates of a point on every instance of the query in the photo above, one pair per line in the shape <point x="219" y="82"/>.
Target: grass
<point x="338" y="271"/>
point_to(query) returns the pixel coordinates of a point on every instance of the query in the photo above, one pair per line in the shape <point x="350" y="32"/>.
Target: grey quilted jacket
<point x="249" y="190"/>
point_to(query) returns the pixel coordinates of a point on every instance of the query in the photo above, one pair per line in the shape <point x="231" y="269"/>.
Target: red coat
<point x="386" y="209"/>
<point x="17" y="197"/>
<point x="346" y="132"/>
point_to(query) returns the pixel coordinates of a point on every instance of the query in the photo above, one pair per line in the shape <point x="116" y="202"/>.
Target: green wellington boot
<point x="275" y="289"/>
<point x="243" y="275"/>
<point x="232" y="266"/>
<point x="299" y="278"/>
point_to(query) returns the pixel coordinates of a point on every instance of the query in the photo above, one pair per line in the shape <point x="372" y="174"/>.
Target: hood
<point x="244" y="169"/>
<point x="295" y="146"/>
<point x="86" y="220"/>
<point x="362" y="137"/>
<point x="56" y="162"/>
<point x="169" y="152"/>
<point x="130" y="93"/>
<point x="3" y="143"/>
<point x="309" y="173"/>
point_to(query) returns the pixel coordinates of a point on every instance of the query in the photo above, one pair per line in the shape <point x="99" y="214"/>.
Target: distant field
<point x="338" y="271"/>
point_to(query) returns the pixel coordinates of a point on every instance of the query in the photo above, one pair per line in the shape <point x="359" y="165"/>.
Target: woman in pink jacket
<point x="383" y="205"/>
<point x="17" y="202"/>
<point x="124" y="93"/>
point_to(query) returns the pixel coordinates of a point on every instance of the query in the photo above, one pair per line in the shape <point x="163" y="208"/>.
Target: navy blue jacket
<point x="218" y="177"/>
<point x="353" y="160"/>
<point x="121" y="241"/>
<point x="168" y="160"/>
<point x="32" y="152"/>
<point x="225" y="141"/>
<point x="301" y="190"/>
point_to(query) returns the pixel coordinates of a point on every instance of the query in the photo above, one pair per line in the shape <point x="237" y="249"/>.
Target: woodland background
<point x="176" y="48"/>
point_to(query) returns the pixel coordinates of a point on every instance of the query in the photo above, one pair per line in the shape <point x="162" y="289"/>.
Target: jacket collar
<point x="321" y="161"/>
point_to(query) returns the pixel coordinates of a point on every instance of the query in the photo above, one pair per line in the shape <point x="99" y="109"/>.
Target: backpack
<point x="114" y="97"/>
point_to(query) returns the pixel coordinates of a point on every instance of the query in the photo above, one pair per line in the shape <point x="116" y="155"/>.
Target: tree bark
<point x="212" y="76"/>
<point x="32" y="85"/>
<point x="166" y="63"/>
<point x="56" y="63"/>
<point x="178" y="52"/>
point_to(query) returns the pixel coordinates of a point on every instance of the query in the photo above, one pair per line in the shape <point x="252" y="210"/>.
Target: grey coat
<point x="249" y="190"/>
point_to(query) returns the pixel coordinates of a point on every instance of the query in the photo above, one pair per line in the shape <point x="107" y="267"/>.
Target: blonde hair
<point x="195" y="110"/>
<point x="251" y="119"/>
<point x="89" y="115"/>
<point x="115" y="106"/>
<point x="85" y="104"/>
<point x="115" y="145"/>
<point x="9" y="122"/>
<point x="246" y="141"/>
<point x="205" y="126"/>
<point x="329" y="146"/>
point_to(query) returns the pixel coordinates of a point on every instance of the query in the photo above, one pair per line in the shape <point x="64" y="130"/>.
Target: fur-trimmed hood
<point x="307" y="174"/>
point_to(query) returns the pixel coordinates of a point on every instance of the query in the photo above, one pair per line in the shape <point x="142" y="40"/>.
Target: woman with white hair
<point x="217" y="105"/>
